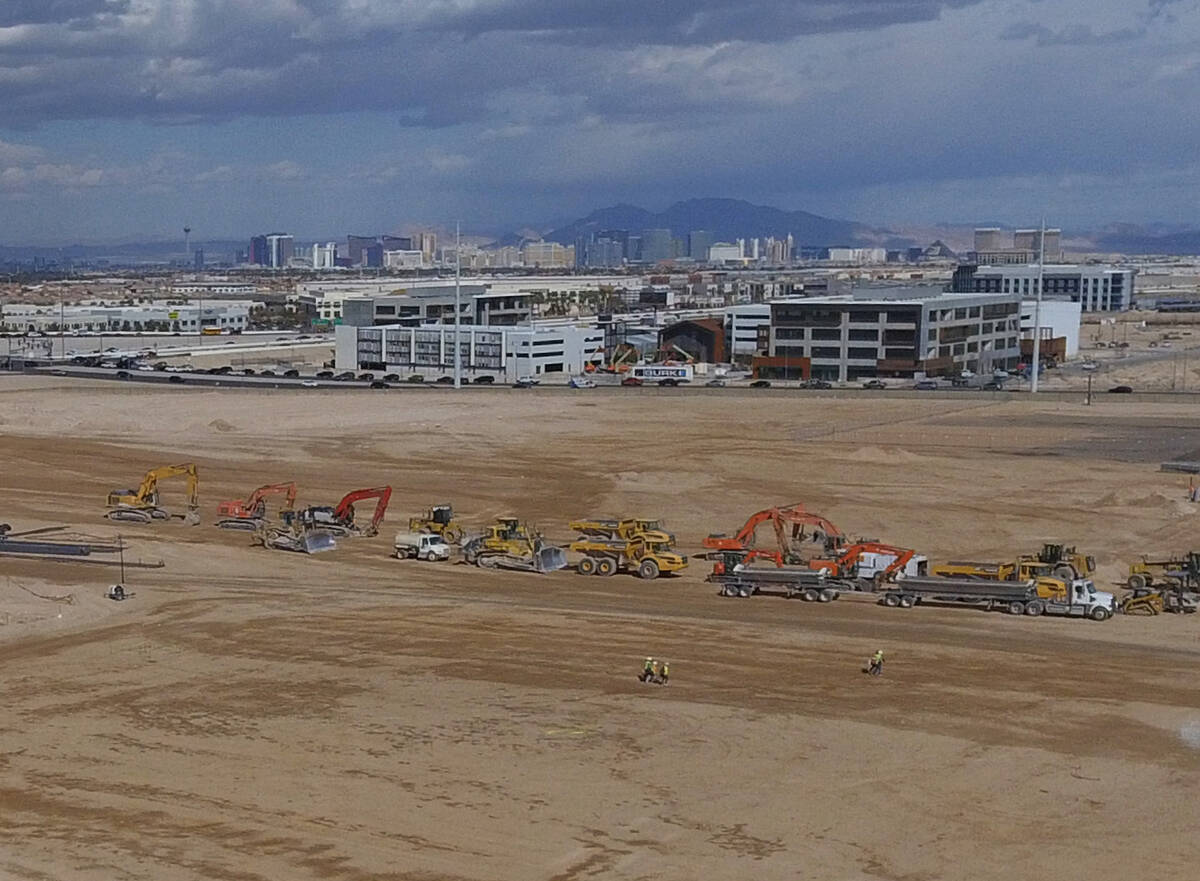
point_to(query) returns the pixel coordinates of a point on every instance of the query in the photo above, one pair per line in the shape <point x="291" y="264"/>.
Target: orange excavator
<point x="339" y="519"/>
<point x="251" y="513"/>
<point x="789" y="523"/>
<point x="872" y="563"/>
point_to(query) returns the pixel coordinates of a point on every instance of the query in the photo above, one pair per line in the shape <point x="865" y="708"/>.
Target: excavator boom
<point x="344" y="512"/>
<point x="142" y="504"/>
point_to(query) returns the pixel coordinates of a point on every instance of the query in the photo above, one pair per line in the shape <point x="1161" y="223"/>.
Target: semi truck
<point x="1032" y="596"/>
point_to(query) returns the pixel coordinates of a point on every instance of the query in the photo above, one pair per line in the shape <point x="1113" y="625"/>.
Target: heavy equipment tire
<point x="810" y="595"/>
<point x="606" y="566"/>
<point x="452" y="534"/>
<point x="648" y="569"/>
<point x="1099" y="614"/>
<point x="828" y="595"/>
<point x="1065" y="571"/>
<point x="1016" y="607"/>
<point x="891" y="600"/>
<point x="1035" y="608"/>
<point x="586" y="566"/>
<point x="906" y="602"/>
<point x="1136" y="581"/>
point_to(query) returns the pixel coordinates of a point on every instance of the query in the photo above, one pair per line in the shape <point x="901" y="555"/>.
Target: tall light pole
<point x="1037" y="313"/>
<point x="458" y="304"/>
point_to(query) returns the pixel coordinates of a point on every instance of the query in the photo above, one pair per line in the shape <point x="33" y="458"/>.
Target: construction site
<point x="293" y="635"/>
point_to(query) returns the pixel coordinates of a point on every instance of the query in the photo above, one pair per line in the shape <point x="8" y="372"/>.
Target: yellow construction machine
<point x="438" y="520"/>
<point x="510" y="544"/>
<point x="624" y="528"/>
<point x="1064" y="562"/>
<point x="142" y="505"/>
<point x="634" y="544"/>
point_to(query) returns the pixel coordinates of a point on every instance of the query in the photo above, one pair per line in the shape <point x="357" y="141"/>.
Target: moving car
<point x="875" y="384"/>
<point x="821" y="384"/>
<point x="1120" y="390"/>
<point x="310" y="383"/>
<point x="925" y="385"/>
<point x="715" y="383"/>
<point x="760" y="383"/>
<point x="379" y="383"/>
<point x="631" y="381"/>
<point x="485" y="380"/>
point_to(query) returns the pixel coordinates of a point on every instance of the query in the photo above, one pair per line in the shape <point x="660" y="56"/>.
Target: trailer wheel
<point x="906" y="602"/>
<point x="1100" y="614"/>
<point x="586" y="566"/>
<point x="1065" y="571"/>
<point x="891" y="600"/>
<point x="606" y="566"/>
<point x="1035" y="608"/>
<point x="828" y="595"/>
<point x="1136" y="581"/>
<point x="810" y="595"/>
<point x="648" y="569"/>
<point x="1016" y="607"/>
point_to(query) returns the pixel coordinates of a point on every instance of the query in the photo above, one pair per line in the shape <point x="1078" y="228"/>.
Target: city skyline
<point x="129" y="120"/>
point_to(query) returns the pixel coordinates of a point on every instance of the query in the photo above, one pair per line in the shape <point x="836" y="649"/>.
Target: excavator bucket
<point x="318" y="541"/>
<point x="551" y="559"/>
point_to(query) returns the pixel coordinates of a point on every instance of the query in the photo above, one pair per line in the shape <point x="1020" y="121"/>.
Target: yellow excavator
<point x="142" y="505"/>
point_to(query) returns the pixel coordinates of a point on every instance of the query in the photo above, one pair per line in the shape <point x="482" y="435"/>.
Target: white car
<point x="144" y="367"/>
<point x="310" y="383"/>
<point x="582" y="382"/>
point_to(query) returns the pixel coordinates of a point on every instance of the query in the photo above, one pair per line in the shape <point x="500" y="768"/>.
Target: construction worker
<point x="665" y="675"/>
<point x="647" y="670"/>
<point x="876" y="665"/>
<point x="654" y="671"/>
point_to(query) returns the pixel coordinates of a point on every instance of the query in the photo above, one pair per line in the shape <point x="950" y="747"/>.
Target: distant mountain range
<point x="730" y="219"/>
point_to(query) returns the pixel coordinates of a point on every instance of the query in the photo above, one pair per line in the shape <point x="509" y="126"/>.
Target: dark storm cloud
<point x="19" y="12"/>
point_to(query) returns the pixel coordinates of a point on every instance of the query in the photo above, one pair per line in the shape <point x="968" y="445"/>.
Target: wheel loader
<point x="1064" y="562"/>
<point x="1180" y="572"/>
<point x="438" y="520"/>
<point x="509" y="544"/>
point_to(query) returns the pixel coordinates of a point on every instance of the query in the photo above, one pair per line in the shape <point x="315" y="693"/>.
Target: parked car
<point x="760" y="383"/>
<point x="925" y="385"/>
<point x="325" y="374"/>
<point x="416" y="377"/>
<point x="522" y="383"/>
<point x="817" y="384"/>
<point x="486" y="379"/>
<point x="291" y="374"/>
<point x="582" y="382"/>
<point x="267" y="373"/>
<point x="1120" y="390"/>
<point x="161" y="365"/>
<point x="631" y="381"/>
<point x="668" y="383"/>
<point x="875" y="384"/>
<point x="715" y="383"/>
<point x="345" y="376"/>
<point x="387" y="377"/>
<point x="247" y="371"/>
<point x="445" y="380"/>
<point x="367" y="377"/>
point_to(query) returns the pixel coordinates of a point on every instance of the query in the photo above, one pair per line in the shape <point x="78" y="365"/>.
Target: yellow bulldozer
<point x="510" y="544"/>
<point x="142" y="505"/>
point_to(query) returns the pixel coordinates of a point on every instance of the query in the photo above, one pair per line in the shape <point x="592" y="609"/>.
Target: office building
<point x="502" y="353"/>
<point x="355" y="246"/>
<point x="1031" y="240"/>
<point x="165" y="317"/>
<point x="656" y="246"/>
<point x="396" y="243"/>
<point x="258" y="254"/>
<point x="1097" y="288"/>
<point x="324" y="256"/>
<point x="435" y="303"/>
<point x="279" y="250"/>
<point x="547" y="255"/>
<point x="698" y="243"/>
<point x="897" y="332"/>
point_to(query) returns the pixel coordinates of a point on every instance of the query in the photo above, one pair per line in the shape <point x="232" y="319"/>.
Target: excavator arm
<point x="150" y="482"/>
<point x="271" y="489"/>
<point x="344" y="512"/>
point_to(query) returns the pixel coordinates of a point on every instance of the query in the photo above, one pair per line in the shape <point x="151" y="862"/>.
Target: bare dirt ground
<point x="251" y="714"/>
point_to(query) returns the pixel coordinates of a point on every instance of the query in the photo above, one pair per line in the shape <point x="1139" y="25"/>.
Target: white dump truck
<point x="421" y="546"/>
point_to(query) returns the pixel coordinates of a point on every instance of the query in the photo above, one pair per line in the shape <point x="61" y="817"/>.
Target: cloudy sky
<point x="128" y="118"/>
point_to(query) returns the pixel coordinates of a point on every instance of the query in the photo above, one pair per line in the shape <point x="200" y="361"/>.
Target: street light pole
<point x="1037" y="313"/>
<point x="457" y="304"/>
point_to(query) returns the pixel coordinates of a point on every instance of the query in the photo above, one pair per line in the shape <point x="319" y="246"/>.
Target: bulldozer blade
<point x="551" y="559"/>
<point x="319" y="541"/>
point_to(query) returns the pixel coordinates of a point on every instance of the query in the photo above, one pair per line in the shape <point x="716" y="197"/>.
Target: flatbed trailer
<point x="788" y="581"/>
<point x="1081" y="599"/>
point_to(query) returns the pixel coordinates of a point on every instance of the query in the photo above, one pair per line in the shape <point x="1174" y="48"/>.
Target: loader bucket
<point x="318" y="541"/>
<point x="551" y="559"/>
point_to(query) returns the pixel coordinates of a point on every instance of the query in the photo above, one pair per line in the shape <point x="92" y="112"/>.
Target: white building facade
<point x="1097" y="288"/>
